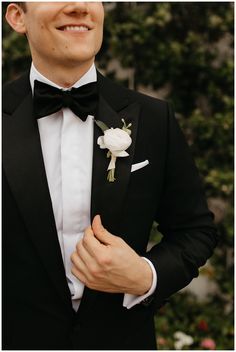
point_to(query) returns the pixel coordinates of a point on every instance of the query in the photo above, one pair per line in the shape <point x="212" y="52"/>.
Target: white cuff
<point x="131" y="300"/>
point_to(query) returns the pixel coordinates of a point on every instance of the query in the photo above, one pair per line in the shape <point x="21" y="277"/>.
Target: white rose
<point x="116" y="140"/>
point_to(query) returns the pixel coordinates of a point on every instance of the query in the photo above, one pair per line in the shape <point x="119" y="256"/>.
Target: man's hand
<point x="105" y="262"/>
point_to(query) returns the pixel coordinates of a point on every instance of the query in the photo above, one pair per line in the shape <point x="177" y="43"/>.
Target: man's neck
<point x="63" y="76"/>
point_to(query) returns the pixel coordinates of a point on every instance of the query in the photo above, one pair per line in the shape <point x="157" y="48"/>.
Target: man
<point x="77" y="219"/>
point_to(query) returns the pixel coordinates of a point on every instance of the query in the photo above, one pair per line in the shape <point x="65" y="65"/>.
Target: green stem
<point x="111" y="175"/>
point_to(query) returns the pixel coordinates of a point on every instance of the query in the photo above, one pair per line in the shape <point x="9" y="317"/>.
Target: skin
<point x="105" y="262"/>
<point x="70" y="53"/>
<point x="101" y="260"/>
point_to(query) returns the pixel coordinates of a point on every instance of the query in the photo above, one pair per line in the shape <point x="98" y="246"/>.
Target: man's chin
<point x="79" y="59"/>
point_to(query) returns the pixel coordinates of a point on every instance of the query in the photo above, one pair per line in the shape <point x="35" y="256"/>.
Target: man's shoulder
<point x="117" y="92"/>
<point x="14" y="92"/>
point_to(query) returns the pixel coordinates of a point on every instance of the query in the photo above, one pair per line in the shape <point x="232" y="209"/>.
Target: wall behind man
<point x="182" y="52"/>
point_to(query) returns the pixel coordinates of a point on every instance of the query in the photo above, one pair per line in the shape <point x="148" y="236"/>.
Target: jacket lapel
<point x="24" y="168"/>
<point x="107" y="198"/>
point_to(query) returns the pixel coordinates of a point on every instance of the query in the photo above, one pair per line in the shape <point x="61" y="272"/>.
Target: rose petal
<point x="116" y="139"/>
<point x="100" y="142"/>
<point x="120" y="153"/>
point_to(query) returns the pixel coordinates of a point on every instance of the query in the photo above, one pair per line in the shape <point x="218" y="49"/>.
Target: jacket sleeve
<point x="184" y="220"/>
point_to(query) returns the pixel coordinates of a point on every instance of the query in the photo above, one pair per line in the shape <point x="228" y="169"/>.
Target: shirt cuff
<point x="131" y="300"/>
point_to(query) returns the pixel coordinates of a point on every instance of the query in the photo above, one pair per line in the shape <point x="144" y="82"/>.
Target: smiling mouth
<point x="74" y="28"/>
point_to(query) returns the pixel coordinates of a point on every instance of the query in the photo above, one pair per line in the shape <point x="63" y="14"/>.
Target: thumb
<point x="100" y="232"/>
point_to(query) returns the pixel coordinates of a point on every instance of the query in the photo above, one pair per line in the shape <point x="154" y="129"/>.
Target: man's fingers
<point x="79" y="275"/>
<point x="91" y="243"/>
<point x="94" y="248"/>
<point x="83" y="253"/>
<point x="79" y="269"/>
<point x="78" y="262"/>
<point x="100" y="232"/>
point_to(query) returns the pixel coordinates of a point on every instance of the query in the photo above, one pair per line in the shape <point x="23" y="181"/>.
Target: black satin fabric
<point x="48" y="100"/>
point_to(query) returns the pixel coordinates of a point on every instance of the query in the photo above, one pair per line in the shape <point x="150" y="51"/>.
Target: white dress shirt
<point x="67" y="147"/>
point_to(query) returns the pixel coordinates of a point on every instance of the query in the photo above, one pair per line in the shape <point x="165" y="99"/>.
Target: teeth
<point x="76" y="28"/>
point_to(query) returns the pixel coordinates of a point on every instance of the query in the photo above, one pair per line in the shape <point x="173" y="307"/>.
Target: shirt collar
<point x="88" y="77"/>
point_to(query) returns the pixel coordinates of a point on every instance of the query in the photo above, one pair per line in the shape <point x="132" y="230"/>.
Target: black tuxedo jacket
<point x="37" y="310"/>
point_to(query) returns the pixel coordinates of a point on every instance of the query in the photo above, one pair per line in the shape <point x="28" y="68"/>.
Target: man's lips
<point x="75" y="28"/>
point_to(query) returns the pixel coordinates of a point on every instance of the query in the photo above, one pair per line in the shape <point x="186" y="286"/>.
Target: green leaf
<point x="101" y="125"/>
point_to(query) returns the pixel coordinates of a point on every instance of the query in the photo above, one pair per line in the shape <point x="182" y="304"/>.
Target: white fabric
<point x="140" y="165"/>
<point x="67" y="147"/>
<point x="132" y="300"/>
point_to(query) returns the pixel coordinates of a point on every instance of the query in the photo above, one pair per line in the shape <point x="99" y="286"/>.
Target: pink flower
<point x="208" y="344"/>
<point x="161" y="341"/>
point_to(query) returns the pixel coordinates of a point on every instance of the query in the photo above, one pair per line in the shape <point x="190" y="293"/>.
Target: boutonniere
<point x="116" y="140"/>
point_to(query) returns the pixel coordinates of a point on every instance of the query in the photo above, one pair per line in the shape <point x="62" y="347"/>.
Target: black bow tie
<point x="48" y="100"/>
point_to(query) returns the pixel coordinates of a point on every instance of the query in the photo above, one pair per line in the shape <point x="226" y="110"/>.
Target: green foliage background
<point x="183" y="51"/>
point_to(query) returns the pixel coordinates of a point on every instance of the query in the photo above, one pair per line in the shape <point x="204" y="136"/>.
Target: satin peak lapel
<point x="108" y="197"/>
<point x="24" y="168"/>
